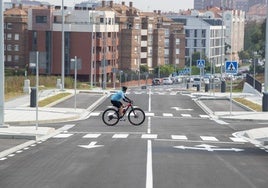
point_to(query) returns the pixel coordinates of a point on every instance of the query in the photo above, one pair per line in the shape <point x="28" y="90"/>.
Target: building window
<point x="41" y="19"/>
<point x="9" y="47"/>
<point x="9" y="25"/>
<point x="166" y="32"/>
<point x="178" y="41"/>
<point x="9" y="58"/>
<point x="187" y="33"/>
<point x="16" y="47"/>
<point x="16" y="58"/>
<point x="166" y="52"/>
<point x="166" y="42"/>
<point x="9" y="36"/>
<point x="16" y="37"/>
<point x="177" y="51"/>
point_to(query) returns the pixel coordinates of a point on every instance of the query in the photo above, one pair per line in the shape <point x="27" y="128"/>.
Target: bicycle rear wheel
<point x="136" y="116"/>
<point x="110" y="117"/>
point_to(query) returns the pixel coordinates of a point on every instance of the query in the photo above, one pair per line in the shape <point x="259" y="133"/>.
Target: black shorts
<point x="118" y="104"/>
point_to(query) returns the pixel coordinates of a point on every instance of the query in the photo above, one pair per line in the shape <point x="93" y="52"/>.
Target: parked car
<point x="167" y="81"/>
<point x="156" y="81"/>
<point x="196" y="81"/>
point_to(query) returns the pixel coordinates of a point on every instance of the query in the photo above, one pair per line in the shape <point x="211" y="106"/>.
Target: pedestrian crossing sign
<point x="200" y="63"/>
<point x="231" y="67"/>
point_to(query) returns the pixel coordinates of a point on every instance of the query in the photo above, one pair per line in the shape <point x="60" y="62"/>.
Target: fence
<point x="257" y="85"/>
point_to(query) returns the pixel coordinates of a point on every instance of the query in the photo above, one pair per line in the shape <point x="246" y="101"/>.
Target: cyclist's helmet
<point x="124" y="88"/>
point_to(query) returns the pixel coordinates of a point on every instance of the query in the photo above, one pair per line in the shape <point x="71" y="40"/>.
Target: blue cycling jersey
<point x="118" y="96"/>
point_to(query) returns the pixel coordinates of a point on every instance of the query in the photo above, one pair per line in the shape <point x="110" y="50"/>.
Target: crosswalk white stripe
<point x="95" y="113"/>
<point x="91" y="136"/>
<point x="178" y="137"/>
<point x="167" y="114"/>
<point x="148" y="114"/>
<point x="149" y="136"/>
<point x="62" y="135"/>
<point x="208" y="138"/>
<point x="120" y="135"/>
<point x="186" y="115"/>
<point x="204" y="116"/>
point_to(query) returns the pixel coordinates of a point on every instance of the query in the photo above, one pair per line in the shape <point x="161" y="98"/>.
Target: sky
<point x="143" y="5"/>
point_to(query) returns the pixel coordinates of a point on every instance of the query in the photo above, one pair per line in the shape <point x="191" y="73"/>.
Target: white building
<point x="204" y="34"/>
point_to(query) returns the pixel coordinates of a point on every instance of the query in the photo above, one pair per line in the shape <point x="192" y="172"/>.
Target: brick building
<point x="146" y="38"/>
<point x="89" y="35"/>
<point x="16" y="37"/>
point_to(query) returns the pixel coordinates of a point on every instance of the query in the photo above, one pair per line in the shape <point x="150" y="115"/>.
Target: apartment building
<point x="16" y="37"/>
<point x="205" y="35"/>
<point x="205" y="4"/>
<point x="91" y="36"/>
<point x="145" y="38"/>
<point x="220" y="28"/>
<point x="234" y="20"/>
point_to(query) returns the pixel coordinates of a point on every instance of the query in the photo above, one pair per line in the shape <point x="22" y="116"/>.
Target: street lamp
<point x="62" y="46"/>
<point x="2" y="73"/>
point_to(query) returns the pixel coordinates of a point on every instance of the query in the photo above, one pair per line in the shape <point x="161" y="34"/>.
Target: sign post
<point x="231" y="67"/>
<point x="200" y="64"/>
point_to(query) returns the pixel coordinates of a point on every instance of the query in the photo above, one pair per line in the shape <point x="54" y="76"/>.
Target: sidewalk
<point x="19" y="113"/>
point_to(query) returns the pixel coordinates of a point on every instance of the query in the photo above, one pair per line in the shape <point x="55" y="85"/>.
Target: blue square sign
<point x="231" y="67"/>
<point x="200" y="63"/>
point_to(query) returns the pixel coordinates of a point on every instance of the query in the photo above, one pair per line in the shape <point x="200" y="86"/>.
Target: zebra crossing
<point x="171" y="137"/>
<point x="152" y="114"/>
<point x="154" y="92"/>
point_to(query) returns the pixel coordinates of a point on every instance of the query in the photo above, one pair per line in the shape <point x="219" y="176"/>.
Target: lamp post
<point x="265" y="93"/>
<point x="62" y="46"/>
<point x="2" y="76"/>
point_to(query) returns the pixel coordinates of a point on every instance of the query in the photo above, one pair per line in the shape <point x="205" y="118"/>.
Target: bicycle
<point x="136" y="115"/>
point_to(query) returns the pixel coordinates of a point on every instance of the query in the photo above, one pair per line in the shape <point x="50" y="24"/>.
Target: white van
<point x="196" y="81"/>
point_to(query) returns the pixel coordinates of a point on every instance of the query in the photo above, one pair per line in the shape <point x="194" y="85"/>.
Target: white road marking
<point x="152" y="136"/>
<point x="235" y="139"/>
<point x="149" y="166"/>
<point x="120" y="135"/>
<point x="208" y="138"/>
<point x="90" y="145"/>
<point x="91" y="136"/>
<point x="62" y="136"/>
<point x="95" y="114"/>
<point x="178" y="137"/>
<point x="204" y="116"/>
<point x="186" y="115"/>
<point x="208" y="148"/>
<point x="149" y="114"/>
<point x="167" y="115"/>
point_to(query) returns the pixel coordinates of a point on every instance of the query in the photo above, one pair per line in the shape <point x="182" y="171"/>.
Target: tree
<point x="144" y="69"/>
<point x="165" y="70"/>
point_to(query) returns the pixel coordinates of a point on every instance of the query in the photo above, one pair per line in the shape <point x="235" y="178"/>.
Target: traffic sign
<point x="231" y="67"/>
<point x="200" y="63"/>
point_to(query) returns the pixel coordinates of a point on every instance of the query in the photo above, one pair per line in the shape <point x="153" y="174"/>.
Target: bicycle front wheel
<point x="110" y="117"/>
<point x="136" y="116"/>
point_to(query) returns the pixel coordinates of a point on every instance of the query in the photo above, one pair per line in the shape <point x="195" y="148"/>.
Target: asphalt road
<point x="178" y="145"/>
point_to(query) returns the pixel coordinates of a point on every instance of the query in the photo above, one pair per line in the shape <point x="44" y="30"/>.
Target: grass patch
<point x="52" y="99"/>
<point x="250" y="104"/>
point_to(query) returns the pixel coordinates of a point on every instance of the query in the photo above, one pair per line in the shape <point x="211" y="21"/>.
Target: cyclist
<point x="116" y="100"/>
